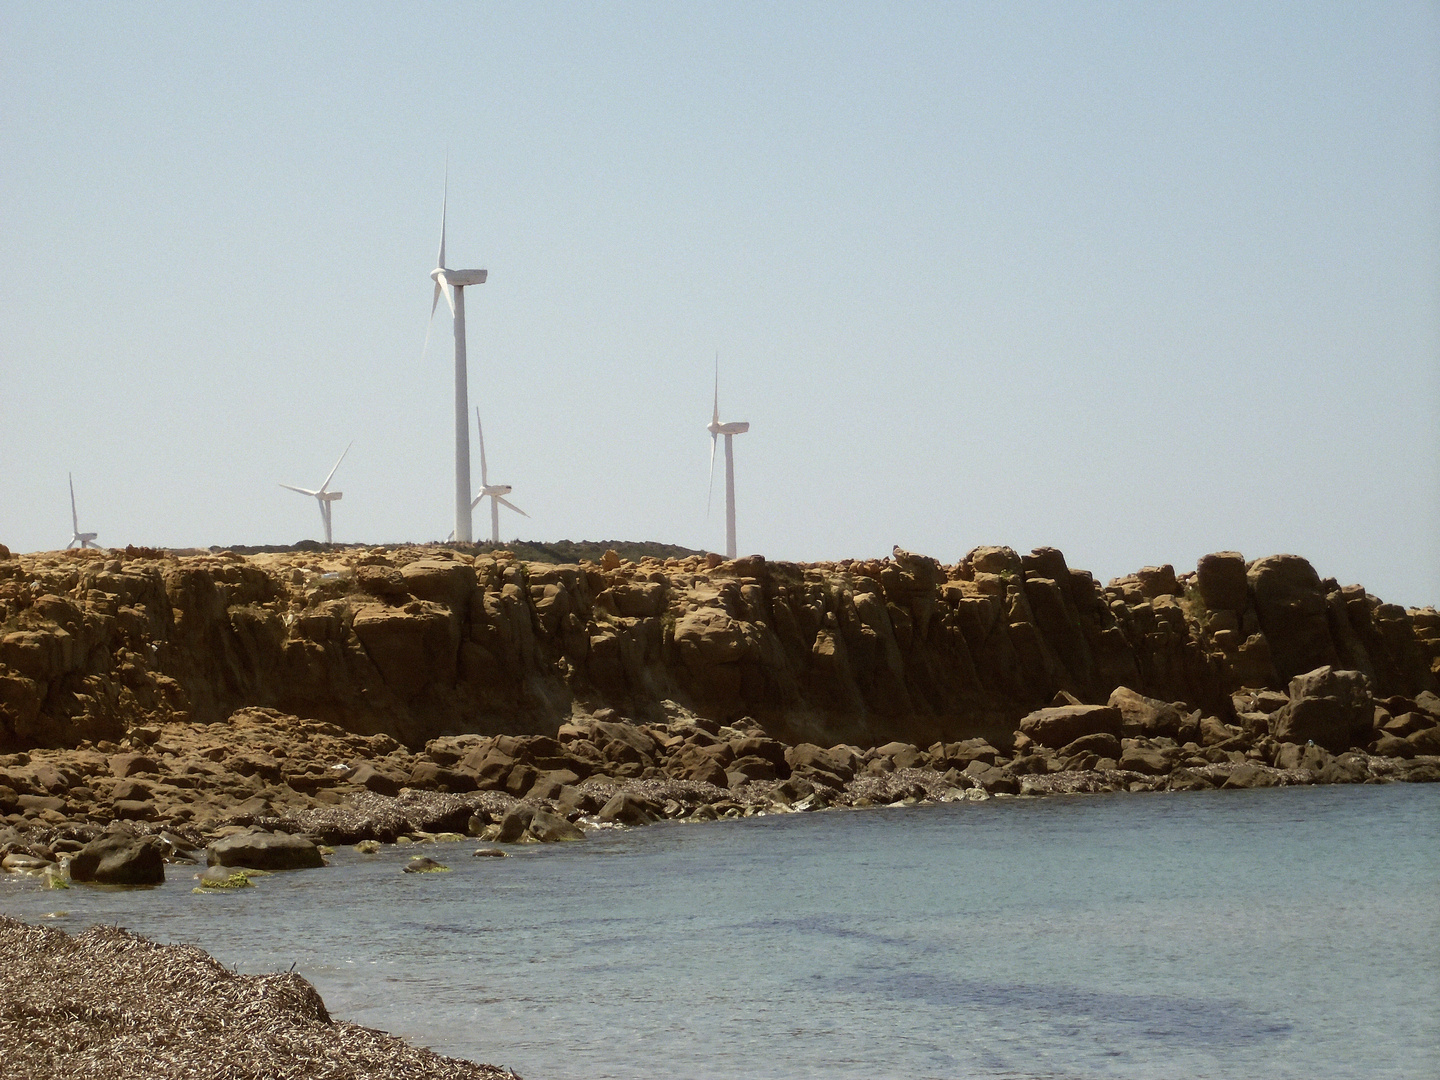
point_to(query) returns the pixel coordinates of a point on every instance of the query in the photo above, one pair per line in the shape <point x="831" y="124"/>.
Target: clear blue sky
<point x="1136" y="281"/>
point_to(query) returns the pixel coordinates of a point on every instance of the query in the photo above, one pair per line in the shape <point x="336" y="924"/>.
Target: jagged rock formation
<point x="416" y="643"/>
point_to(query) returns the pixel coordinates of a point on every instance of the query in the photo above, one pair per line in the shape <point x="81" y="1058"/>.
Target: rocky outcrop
<point x="416" y="643"/>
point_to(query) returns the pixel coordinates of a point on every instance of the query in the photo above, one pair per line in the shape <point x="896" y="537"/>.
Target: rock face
<point x="414" y="643"/>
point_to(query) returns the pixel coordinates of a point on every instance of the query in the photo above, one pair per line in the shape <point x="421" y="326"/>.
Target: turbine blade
<point x="444" y="206"/>
<point x="326" y="484"/>
<point x="710" y="489"/>
<point x="506" y="502"/>
<point x="302" y="491"/>
<point x="477" y="500"/>
<point x="449" y="291"/>
<point x="74" y="517"/>
<point x="484" y="473"/>
<point x="434" y="303"/>
<point x="716" y="415"/>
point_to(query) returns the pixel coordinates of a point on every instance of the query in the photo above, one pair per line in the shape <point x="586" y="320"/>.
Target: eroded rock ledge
<point x="415" y="643"/>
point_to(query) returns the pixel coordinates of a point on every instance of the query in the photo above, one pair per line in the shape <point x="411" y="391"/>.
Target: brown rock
<point x="127" y="765"/>
<point x="413" y="647"/>
<point x="1101" y="744"/>
<point x="1056" y="727"/>
<point x="440" y="581"/>
<point x="1220" y="577"/>
<point x="1249" y="776"/>
<point x="1330" y="708"/>
<point x="1141" y="715"/>
<point x="121" y="858"/>
<point x="1291" y="607"/>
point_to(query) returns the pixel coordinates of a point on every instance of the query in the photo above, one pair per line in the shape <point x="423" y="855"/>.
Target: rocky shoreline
<point x="382" y="694"/>
<point x="159" y="712"/>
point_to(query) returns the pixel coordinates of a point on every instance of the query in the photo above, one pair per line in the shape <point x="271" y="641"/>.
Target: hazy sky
<point x="1136" y="281"/>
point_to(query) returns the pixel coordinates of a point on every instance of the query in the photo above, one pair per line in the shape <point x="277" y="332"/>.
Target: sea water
<point x="1290" y="932"/>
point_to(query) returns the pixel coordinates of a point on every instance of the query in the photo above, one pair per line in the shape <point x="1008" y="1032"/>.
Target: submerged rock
<point x="265" y="851"/>
<point x="120" y="859"/>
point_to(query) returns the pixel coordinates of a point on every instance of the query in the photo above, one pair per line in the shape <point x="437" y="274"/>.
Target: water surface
<point x="1286" y="932"/>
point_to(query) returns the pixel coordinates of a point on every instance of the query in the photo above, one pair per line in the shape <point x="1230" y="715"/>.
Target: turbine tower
<point x="324" y="496"/>
<point x="716" y="429"/>
<point x="496" y="492"/>
<point x="452" y="283"/>
<point x="76" y="536"/>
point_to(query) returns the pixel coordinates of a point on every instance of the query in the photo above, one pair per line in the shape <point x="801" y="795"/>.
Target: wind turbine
<point x="77" y="537"/>
<point x="452" y="283"/>
<point x="496" y="492"/>
<point x="324" y="496"/>
<point x="716" y="429"/>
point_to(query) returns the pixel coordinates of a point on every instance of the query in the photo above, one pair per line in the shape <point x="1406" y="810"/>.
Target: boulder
<point x="1424" y="742"/>
<point x="440" y="581"/>
<point x="1055" y="727"/>
<point x="1102" y="744"/>
<point x="1309" y="756"/>
<point x="1189" y="780"/>
<point x="1220" y="577"/>
<point x="1345" y="769"/>
<point x="1144" y="759"/>
<point x="379" y="781"/>
<point x="1141" y="715"/>
<point x="1388" y="745"/>
<point x="995" y="781"/>
<point x="550" y="828"/>
<point x="627" y="809"/>
<point x="515" y="825"/>
<point x="1158" y="581"/>
<point x="1407" y="723"/>
<point x="1331" y="708"/>
<point x="811" y="761"/>
<point x="1249" y="776"/>
<point x="265" y="851"/>
<point x="1290" y="603"/>
<point x="120" y="858"/>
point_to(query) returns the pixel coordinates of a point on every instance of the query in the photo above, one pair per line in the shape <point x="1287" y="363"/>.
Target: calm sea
<point x="1287" y="932"/>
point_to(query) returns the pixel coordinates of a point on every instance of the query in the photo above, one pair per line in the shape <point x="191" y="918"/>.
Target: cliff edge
<point x="418" y="642"/>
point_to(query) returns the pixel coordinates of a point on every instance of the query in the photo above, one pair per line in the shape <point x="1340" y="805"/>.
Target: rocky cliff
<point x="417" y="643"/>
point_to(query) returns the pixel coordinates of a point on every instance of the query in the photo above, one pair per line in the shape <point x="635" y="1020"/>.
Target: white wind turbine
<point x="452" y="283"/>
<point x="716" y="429"/>
<point x="76" y="536"/>
<point x="496" y="492"/>
<point x="324" y="496"/>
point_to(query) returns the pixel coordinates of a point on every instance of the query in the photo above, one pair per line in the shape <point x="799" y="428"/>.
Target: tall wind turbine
<point x="324" y="496"/>
<point x="452" y="283"/>
<point x="76" y="536"/>
<point x="496" y="492"/>
<point x="716" y="429"/>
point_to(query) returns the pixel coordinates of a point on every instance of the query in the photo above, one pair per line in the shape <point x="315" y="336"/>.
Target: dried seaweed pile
<point x="110" y="1004"/>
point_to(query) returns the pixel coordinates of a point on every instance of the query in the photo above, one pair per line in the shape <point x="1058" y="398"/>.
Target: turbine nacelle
<point x="458" y="279"/>
<point x="738" y="427"/>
